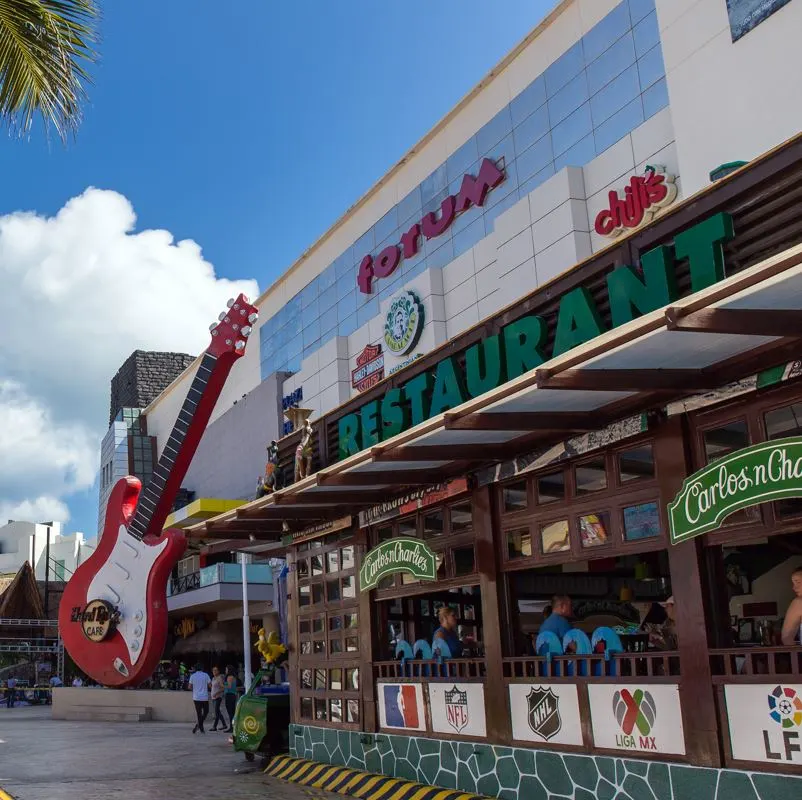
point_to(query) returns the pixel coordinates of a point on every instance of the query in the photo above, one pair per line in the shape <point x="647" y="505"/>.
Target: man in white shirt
<point x="77" y="682"/>
<point x="200" y="683"/>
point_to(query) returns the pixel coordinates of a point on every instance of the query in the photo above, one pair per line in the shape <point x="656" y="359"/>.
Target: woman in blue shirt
<point x="448" y="632"/>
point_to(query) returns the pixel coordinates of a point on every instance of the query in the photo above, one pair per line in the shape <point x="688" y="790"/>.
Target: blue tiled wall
<point x="598" y="91"/>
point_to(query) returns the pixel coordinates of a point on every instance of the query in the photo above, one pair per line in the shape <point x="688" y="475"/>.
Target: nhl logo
<point x="456" y="708"/>
<point x="543" y="712"/>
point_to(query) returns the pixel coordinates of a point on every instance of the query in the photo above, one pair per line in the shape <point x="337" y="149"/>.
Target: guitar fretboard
<point x="143" y="519"/>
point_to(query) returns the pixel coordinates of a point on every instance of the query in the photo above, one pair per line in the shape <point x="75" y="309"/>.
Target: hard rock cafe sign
<point x="369" y="368"/>
<point x="645" y="196"/>
<point x="97" y="620"/>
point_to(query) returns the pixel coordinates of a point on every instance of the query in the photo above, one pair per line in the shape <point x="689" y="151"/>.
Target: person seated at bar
<point x="792" y="624"/>
<point x="448" y="633"/>
<point x="660" y="624"/>
<point x="558" y="621"/>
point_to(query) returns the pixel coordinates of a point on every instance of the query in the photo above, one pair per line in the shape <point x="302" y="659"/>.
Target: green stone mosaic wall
<point x="516" y="773"/>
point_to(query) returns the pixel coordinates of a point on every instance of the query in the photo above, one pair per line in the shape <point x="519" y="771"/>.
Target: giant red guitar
<point x="113" y="614"/>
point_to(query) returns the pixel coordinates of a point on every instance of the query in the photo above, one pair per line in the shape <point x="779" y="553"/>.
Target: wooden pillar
<point x="686" y="561"/>
<point x="367" y="635"/>
<point x="292" y="635"/>
<point x="499" y="727"/>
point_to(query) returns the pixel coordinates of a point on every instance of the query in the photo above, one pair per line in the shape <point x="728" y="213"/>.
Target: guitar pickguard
<point x="123" y="582"/>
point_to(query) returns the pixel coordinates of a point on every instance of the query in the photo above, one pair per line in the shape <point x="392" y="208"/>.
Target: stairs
<point x="109" y="714"/>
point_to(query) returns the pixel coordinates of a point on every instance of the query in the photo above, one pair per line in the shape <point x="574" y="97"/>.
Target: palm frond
<point x="44" y="45"/>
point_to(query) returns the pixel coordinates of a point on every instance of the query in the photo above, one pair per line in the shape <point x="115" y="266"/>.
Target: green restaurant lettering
<point x="397" y="555"/>
<point x="756" y="474"/>
<point x="521" y="345"/>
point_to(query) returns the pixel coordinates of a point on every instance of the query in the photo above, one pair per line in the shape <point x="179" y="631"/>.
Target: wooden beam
<point x="274" y="512"/>
<point x="745" y="321"/>
<point x="410" y="477"/>
<point x="443" y="452"/>
<point x="235" y="532"/>
<point x="527" y="421"/>
<point x="323" y="497"/>
<point x="627" y="380"/>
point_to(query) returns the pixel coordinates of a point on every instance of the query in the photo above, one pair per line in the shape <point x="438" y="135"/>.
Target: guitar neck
<point x="157" y="498"/>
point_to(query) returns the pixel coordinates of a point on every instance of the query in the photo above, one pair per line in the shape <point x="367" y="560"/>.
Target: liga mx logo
<point x="456" y="709"/>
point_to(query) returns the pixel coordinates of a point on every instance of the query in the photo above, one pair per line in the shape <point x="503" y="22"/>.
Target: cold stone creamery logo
<point x="397" y="555"/>
<point x="543" y="712"/>
<point x="643" y="198"/>
<point x="635" y="713"/>
<point x="404" y="323"/>
<point x="456" y="708"/>
<point x="785" y="708"/>
<point x="756" y="474"/>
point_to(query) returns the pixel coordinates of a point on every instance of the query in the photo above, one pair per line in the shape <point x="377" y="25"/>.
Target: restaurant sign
<point x="369" y="368"/>
<point x="412" y="501"/>
<point x="397" y="555"/>
<point x="640" y="719"/>
<point x="765" y="722"/>
<point x="757" y="474"/>
<point x="316" y="531"/>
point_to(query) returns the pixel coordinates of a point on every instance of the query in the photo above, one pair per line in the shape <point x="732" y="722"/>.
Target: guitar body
<point x="131" y="576"/>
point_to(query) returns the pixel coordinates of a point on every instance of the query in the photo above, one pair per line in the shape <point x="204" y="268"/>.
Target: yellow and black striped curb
<point x="5" y="795"/>
<point x="354" y="783"/>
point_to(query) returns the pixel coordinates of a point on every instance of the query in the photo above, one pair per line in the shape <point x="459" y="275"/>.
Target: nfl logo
<point x="456" y="708"/>
<point x="543" y="708"/>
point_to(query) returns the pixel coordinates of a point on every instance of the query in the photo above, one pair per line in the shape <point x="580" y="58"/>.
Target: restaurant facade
<point x="623" y="432"/>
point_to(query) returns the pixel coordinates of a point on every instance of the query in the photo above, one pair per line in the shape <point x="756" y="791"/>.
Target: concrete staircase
<point x="109" y="713"/>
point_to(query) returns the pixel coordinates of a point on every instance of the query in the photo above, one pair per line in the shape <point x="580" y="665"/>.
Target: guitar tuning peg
<point x="245" y="299"/>
<point x="230" y="302"/>
<point x="246" y="330"/>
<point x="222" y="316"/>
<point x="212" y="326"/>
<point x="228" y="342"/>
<point x="240" y="345"/>
<point x="253" y="317"/>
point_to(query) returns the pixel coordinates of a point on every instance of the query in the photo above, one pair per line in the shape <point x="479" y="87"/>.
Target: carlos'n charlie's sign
<point x="526" y="343"/>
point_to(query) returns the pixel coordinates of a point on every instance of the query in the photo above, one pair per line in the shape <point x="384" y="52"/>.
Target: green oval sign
<point x="757" y="474"/>
<point x="397" y="555"/>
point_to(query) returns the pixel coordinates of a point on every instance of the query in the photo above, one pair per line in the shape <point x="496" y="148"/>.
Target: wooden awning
<point x="739" y="326"/>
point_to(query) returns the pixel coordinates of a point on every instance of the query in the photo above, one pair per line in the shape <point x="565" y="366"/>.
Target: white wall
<point x="729" y="101"/>
<point x="27" y="541"/>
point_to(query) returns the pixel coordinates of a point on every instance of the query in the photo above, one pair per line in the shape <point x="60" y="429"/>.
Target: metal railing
<point x="220" y="573"/>
<point x="596" y="667"/>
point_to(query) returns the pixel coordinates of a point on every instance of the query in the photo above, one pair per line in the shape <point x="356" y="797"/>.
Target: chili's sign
<point x="757" y="474"/>
<point x="397" y="555"/>
<point x="526" y="343"/>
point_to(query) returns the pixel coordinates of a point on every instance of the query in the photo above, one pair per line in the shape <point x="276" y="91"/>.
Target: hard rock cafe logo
<point x="404" y="323"/>
<point x="97" y="620"/>
<point x="643" y="198"/>
<point x="543" y="712"/>
<point x="369" y="368"/>
<point x="456" y="708"/>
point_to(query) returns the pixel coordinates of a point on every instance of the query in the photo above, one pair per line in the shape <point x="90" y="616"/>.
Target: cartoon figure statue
<point x="303" y="453"/>
<point x="270" y="648"/>
<point x="271" y="468"/>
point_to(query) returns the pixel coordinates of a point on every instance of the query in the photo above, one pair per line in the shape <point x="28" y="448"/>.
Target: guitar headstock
<point x="230" y="334"/>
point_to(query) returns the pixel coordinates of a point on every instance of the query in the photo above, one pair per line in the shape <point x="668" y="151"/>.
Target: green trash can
<point x="262" y="719"/>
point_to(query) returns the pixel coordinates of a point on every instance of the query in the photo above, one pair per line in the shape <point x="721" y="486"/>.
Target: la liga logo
<point x="781" y="740"/>
<point x="635" y="712"/>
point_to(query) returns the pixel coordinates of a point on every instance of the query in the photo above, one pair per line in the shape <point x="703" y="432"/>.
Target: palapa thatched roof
<point x="20" y="597"/>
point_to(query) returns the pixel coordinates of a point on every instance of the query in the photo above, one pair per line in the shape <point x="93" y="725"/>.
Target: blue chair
<point x="582" y="647"/>
<point x="548" y="644"/>
<point x="612" y="644"/>
<point x="423" y="651"/>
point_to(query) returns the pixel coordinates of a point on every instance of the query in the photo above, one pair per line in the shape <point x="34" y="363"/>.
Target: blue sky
<point x="251" y="127"/>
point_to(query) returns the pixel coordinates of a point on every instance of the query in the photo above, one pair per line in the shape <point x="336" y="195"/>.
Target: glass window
<point x="528" y="100"/>
<point x="306" y="678"/>
<point x="534" y="158"/>
<point x="461" y="159"/>
<point x="320" y="679"/>
<point x="554" y="537"/>
<point x="464" y="561"/>
<point x="347" y="557"/>
<point x="319" y="646"/>
<point x="348" y="587"/>
<point x="383" y="534"/>
<point x="594" y="529"/>
<point x="350" y="620"/>
<point x="614" y="96"/>
<point x="466" y="239"/>
<point x="306" y="648"/>
<point x="461" y="518"/>
<point x="568" y="99"/>
<point x="641" y="522"/>
<point x="611" y="63"/>
<point x="387" y="582"/>
<point x="335" y="623"/>
<point x="619" y="125"/>
<point x="318" y="624"/>
<point x="655" y="98"/>
<point x="530" y="184"/>
<point x="352" y="680"/>
<point x="320" y="709"/>
<point x="514" y="497"/>
<point x="410" y="206"/>
<point x="317" y="565"/>
<point x="333" y="561"/>
<point x="569" y="64"/>
<point x="551" y="487"/>
<point x="534" y="127"/>
<point x="782" y="422"/>
<point x="591" y="476"/>
<point x="606" y="31"/>
<point x="440" y="565"/>
<point x="304" y="626"/>
<point x="636" y="464"/>
<point x="494" y="131"/>
<point x="351" y="644"/>
<point x="306" y="708"/>
<point x="574" y="127"/>
<point x="647" y="34"/>
<point x="408" y="527"/>
<point x="353" y="711"/>
<point x="335" y="646"/>
<point x="304" y="593"/>
<point x="332" y="591"/>
<point x="336" y="679"/>
<point x="651" y="68"/>
<point x="580" y="154"/>
<point x="336" y="710"/>
<point x="433" y="524"/>
<point x="317" y="593"/>
<point x="519" y="543"/>
<point x="638" y="9"/>
<point x="726" y="439"/>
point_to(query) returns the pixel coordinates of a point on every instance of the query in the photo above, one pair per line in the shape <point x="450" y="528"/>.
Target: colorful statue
<point x="271" y="649"/>
<point x="303" y="453"/>
<point x="271" y="468"/>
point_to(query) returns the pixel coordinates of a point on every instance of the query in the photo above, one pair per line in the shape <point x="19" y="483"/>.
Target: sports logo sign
<point x="636" y="718"/>
<point x="404" y="323"/>
<point x="546" y="713"/>
<point x="459" y="709"/>
<point x="765" y="722"/>
<point x="401" y="706"/>
<point x="369" y="368"/>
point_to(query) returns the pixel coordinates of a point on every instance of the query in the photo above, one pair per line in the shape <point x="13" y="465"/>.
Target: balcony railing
<point x="471" y="669"/>
<point x="755" y="664"/>
<point x="220" y="573"/>
<point x="596" y="667"/>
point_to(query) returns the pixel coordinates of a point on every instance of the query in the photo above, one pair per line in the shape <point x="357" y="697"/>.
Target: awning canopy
<point x="198" y="510"/>
<point x="739" y="326"/>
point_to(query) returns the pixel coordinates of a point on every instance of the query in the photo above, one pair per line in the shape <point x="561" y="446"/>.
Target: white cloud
<point x="78" y="293"/>
<point x="40" y="509"/>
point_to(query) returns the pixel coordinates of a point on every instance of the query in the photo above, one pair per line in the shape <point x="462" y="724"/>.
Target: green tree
<point x="44" y="47"/>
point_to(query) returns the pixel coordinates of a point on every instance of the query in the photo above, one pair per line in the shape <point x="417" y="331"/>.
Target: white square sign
<point x="458" y="708"/>
<point x="765" y="722"/>
<point x="640" y="718"/>
<point x="545" y="712"/>
<point x="401" y="706"/>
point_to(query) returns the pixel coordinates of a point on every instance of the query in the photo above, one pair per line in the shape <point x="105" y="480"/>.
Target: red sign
<point x="473" y="192"/>
<point x="369" y="368"/>
<point x="643" y="198"/>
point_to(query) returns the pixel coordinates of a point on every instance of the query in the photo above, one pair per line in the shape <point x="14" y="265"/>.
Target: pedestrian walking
<point x="200" y="682"/>
<point x="218" y="690"/>
<point x="230" y="695"/>
<point x="11" y="686"/>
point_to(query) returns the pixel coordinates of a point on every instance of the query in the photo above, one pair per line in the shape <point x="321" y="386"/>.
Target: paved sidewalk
<point x="45" y="759"/>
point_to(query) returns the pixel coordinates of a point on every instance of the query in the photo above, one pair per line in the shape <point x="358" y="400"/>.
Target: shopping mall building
<point x="553" y="352"/>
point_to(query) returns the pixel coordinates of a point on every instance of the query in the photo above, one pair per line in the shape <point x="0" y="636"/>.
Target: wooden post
<point x="292" y="635"/>
<point x="499" y="727"/>
<point x="367" y="633"/>
<point x="686" y="561"/>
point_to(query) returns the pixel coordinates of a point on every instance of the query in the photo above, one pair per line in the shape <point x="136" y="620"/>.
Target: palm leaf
<point x="43" y="46"/>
